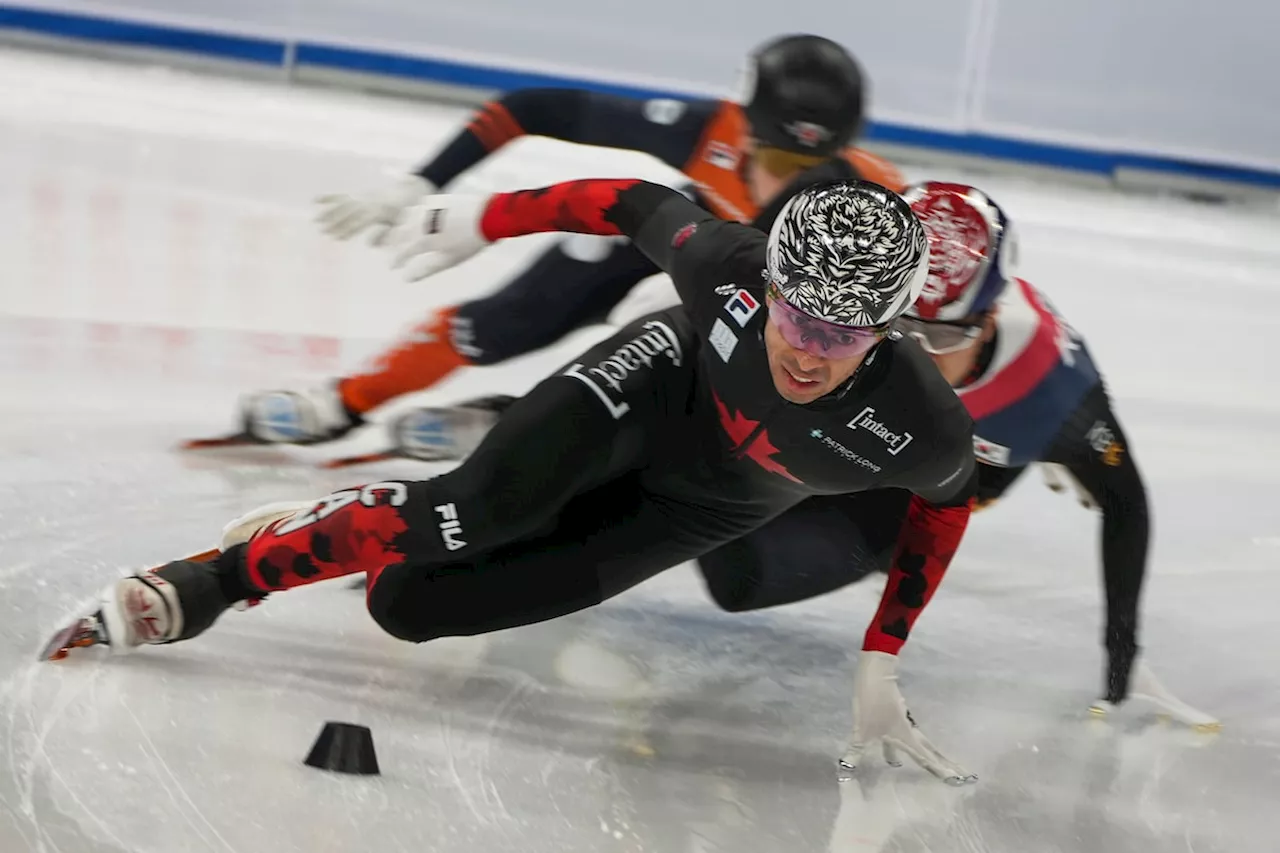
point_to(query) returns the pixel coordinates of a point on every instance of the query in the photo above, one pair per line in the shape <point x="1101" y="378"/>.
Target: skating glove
<point x="1145" y="689"/>
<point x="879" y="713"/>
<point x="440" y="232"/>
<point x="344" y="216"/>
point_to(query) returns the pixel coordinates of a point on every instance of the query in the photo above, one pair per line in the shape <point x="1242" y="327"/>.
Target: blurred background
<point x="158" y="258"/>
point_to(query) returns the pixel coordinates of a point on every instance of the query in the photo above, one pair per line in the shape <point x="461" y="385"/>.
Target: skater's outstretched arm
<point x="936" y="520"/>
<point x="667" y="129"/>
<point x="931" y="534"/>
<point x="1094" y="448"/>
<point x="445" y="230"/>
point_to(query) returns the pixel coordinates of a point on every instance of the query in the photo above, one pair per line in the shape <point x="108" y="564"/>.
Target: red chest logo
<point x="761" y="450"/>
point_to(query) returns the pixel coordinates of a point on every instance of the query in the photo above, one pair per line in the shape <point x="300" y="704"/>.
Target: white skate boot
<point x="436" y="434"/>
<point x="449" y="433"/>
<point x="296" y="417"/>
<point x="173" y="602"/>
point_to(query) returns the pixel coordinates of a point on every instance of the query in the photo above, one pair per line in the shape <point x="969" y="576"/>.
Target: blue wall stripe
<point x="272" y="52"/>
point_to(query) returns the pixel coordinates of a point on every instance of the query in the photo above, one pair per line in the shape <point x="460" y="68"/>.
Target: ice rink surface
<point x="158" y="259"/>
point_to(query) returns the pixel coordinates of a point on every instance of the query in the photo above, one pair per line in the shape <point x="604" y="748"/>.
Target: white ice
<point x="156" y="259"/>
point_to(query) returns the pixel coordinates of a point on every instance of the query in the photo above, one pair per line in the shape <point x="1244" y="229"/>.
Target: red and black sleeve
<point x="931" y="533"/>
<point x="653" y="216"/>
<point x="667" y="129"/>
<point x="682" y="239"/>
<point x="929" y="539"/>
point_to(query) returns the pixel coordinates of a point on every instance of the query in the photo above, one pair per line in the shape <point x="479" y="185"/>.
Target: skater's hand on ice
<point x="1145" y="690"/>
<point x="879" y="713"/>
<point x="440" y="232"/>
<point x="343" y="216"/>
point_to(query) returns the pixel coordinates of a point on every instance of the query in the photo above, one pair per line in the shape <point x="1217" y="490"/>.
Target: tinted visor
<point x="939" y="338"/>
<point x="819" y="337"/>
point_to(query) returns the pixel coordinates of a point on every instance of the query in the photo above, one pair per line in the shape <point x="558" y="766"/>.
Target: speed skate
<point x="97" y="628"/>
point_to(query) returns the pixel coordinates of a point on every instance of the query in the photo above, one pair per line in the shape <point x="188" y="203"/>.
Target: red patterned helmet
<point x="972" y="250"/>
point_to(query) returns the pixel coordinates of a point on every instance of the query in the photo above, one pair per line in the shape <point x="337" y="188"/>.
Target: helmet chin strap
<point x="848" y="384"/>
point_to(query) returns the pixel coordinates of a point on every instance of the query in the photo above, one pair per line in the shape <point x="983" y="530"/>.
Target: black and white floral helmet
<point x="849" y="252"/>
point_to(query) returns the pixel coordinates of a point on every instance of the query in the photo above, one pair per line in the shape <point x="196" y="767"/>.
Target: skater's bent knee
<point x="396" y="602"/>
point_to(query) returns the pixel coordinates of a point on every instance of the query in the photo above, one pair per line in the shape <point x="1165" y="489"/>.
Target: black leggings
<point x="816" y="547"/>
<point x="551" y="509"/>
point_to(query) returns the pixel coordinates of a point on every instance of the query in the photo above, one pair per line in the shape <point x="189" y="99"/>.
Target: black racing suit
<point x="651" y="449"/>
<point x="579" y="280"/>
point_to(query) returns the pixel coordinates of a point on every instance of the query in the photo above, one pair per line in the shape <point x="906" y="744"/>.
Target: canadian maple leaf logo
<point x="739" y="428"/>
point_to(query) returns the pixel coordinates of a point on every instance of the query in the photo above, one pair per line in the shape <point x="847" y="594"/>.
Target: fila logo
<point x="742" y="306"/>
<point x="866" y="420"/>
<point x="450" y="528"/>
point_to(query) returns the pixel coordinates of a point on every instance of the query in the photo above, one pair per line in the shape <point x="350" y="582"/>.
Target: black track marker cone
<point x="344" y="748"/>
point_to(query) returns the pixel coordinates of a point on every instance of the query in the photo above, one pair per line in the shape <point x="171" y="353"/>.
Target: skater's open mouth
<point x="800" y="378"/>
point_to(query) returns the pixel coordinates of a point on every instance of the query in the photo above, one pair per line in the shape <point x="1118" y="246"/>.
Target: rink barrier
<point x="369" y="67"/>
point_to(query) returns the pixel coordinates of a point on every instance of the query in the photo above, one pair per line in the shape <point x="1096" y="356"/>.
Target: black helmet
<point x="803" y="93"/>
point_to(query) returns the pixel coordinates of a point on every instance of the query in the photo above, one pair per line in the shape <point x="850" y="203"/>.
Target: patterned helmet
<point x="850" y="253"/>
<point x="972" y="250"/>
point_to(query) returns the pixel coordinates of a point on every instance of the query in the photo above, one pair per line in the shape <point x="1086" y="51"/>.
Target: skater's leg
<point x="552" y="444"/>
<point x="568" y="285"/>
<point x="424" y="357"/>
<point x="583" y="427"/>
<point x="605" y="542"/>
<point x="818" y="546"/>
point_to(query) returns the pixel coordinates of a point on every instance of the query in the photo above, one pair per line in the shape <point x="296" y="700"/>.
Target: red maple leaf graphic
<point x="366" y="537"/>
<point x="761" y="451"/>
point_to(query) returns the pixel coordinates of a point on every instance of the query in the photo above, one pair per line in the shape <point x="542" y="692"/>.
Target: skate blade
<point x="201" y="453"/>
<point x="362" y="459"/>
<point x="87" y="630"/>
<point x="239" y="439"/>
<point x="79" y="634"/>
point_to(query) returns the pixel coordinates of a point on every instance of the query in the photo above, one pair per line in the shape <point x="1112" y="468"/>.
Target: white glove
<point x="879" y="713"/>
<point x="1146" y="689"/>
<point x="344" y="216"/>
<point x="1057" y="477"/>
<point x="440" y="232"/>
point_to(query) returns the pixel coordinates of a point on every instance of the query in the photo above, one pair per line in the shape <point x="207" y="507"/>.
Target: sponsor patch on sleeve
<point x="723" y="340"/>
<point x="742" y="306"/>
<point x="989" y="451"/>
